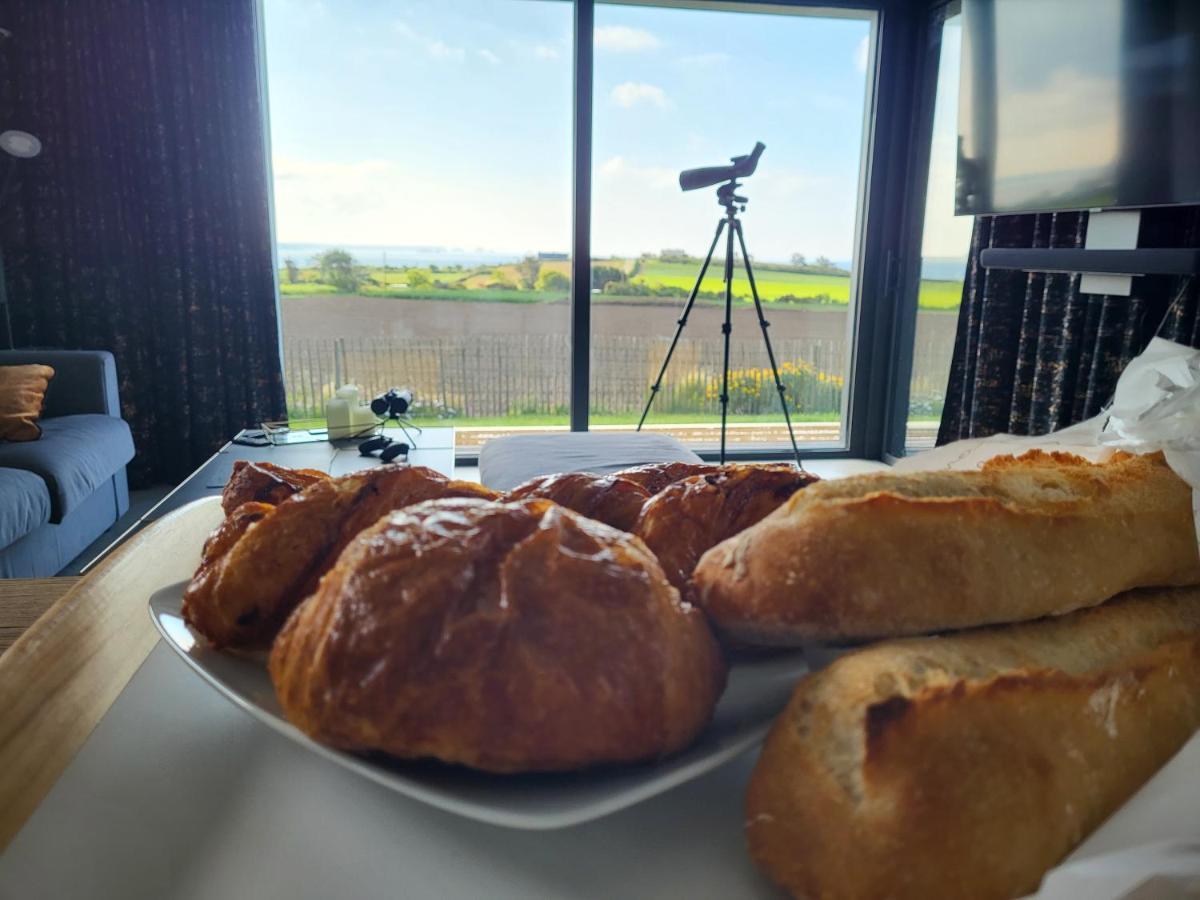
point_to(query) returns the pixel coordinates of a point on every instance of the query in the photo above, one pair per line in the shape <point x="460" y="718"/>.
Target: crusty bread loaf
<point x="968" y="765"/>
<point x="892" y="554"/>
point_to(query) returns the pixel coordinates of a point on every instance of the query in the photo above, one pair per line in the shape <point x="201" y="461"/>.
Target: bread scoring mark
<point x="1103" y="704"/>
<point x="740" y="549"/>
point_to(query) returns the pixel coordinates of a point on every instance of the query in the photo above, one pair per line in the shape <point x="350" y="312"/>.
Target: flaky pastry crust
<point x="688" y="517"/>
<point x="265" y="482"/>
<point x="508" y="637"/>
<point x="259" y="566"/>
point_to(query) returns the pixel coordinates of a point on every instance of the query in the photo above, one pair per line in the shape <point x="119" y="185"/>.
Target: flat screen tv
<point x="1078" y="104"/>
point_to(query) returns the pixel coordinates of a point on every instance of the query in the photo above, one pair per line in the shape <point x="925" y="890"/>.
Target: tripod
<point x="730" y="224"/>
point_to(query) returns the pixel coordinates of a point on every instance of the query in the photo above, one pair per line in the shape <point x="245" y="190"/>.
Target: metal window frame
<point x="907" y="282"/>
<point x="882" y="322"/>
<point x="886" y="158"/>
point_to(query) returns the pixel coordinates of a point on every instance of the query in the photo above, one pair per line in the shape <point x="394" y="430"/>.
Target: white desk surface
<point x="178" y="794"/>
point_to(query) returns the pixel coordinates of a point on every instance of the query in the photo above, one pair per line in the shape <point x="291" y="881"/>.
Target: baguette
<point x="968" y="765"/>
<point x="889" y="554"/>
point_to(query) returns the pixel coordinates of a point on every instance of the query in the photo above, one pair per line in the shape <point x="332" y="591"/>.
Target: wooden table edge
<point x="59" y="679"/>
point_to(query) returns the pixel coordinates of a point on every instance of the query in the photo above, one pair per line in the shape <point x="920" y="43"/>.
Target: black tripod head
<point x="742" y="167"/>
<point x="728" y="197"/>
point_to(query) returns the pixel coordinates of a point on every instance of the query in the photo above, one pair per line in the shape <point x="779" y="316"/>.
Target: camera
<point x="392" y="404"/>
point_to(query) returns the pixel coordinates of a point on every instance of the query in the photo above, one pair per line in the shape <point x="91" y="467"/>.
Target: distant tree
<point x="528" y="269"/>
<point x="293" y="271"/>
<point x="339" y="268"/>
<point x="416" y="278"/>
<point x="824" y="262"/>
<point x="553" y="280"/>
<point x="798" y="259"/>
<point x="602" y="275"/>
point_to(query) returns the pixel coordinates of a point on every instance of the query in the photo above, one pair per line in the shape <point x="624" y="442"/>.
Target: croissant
<point x="261" y="563"/>
<point x="686" y="518"/>
<point x="509" y="637"/>
<point x="265" y="482"/>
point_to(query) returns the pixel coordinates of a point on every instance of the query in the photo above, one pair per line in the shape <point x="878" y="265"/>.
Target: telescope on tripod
<point x="730" y="225"/>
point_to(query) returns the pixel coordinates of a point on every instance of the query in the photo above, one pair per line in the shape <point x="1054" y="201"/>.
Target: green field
<point x="771" y="284"/>
<point x="775" y="285"/>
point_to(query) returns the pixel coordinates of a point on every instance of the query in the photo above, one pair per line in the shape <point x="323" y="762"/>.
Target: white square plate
<point x="758" y="689"/>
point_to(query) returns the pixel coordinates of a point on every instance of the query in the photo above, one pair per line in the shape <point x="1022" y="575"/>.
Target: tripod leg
<point x="764" y="325"/>
<point x="727" y="329"/>
<point x="680" y="324"/>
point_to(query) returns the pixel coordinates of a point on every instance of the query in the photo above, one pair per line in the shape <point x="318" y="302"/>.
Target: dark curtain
<point x="143" y="227"/>
<point x="1032" y="354"/>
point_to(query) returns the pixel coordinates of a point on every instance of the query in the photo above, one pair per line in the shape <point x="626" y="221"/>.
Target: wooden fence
<point x="493" y="376"/>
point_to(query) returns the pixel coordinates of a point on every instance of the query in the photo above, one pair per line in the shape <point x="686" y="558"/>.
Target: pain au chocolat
<point x="615" y="499"/>
<point x="690" y="516"/>
<point x="265" y="559"/>
<point x="509" y="637"/>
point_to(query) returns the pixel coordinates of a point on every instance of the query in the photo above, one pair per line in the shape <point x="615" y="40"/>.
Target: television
<point x="1078" y="104"/>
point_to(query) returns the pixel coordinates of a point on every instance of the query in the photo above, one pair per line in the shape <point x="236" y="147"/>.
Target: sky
<point x="449" y="124"/>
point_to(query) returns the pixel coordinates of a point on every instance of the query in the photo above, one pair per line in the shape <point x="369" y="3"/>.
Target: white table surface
<point x="178" y="794"/>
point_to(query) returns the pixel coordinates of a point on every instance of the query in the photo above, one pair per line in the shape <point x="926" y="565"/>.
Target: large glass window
<point x="422" y="165"/>
<point x="680" y="87"/>
<point x="945" y="243"/>
<point x="422" y="157"/>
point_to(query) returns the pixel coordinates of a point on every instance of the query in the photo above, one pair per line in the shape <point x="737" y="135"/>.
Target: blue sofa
<point x="62" y="491"/>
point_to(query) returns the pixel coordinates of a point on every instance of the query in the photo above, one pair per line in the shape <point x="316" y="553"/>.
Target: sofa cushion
<point x="75" y="455"/>
<point x="22" y="393"/>
<point x="505" y="462"/>
<point x="24" y="504"/>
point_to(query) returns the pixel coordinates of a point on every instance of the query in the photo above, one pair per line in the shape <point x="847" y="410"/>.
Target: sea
<point x="400" y="256"/>
<point x="933" y="268"/>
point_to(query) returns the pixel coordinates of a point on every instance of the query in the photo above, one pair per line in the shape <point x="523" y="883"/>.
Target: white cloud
<point x="440" y="50"/>
<point x="860" y="53"/>
<point x="791" y="182"/>
<point x="291" y="168"/>
<point x="436" y="48"/>
<point x="615" y="168"/>
<point x="704" y="59"/>
<point x="542" y="51"/>
<point x="631" y="93"/>
<point x="623" y="39"/>
<point x="489" y="56"/>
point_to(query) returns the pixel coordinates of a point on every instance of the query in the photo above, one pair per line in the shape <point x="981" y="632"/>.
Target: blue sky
<point x="448" y="124"/>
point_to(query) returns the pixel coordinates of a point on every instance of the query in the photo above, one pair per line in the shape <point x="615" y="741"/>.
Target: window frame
<point x="900" y="97"/>
<point x="907" y="283"/>
<point x="892" y="93"/>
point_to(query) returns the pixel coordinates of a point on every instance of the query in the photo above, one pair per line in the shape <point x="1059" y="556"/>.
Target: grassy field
<point x="478" y="284"/>
<point x="771" y="284"/>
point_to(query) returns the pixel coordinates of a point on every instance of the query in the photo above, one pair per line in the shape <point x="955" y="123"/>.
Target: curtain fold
<point x="143" y="228"/>
<point x="1032" y="354"/>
